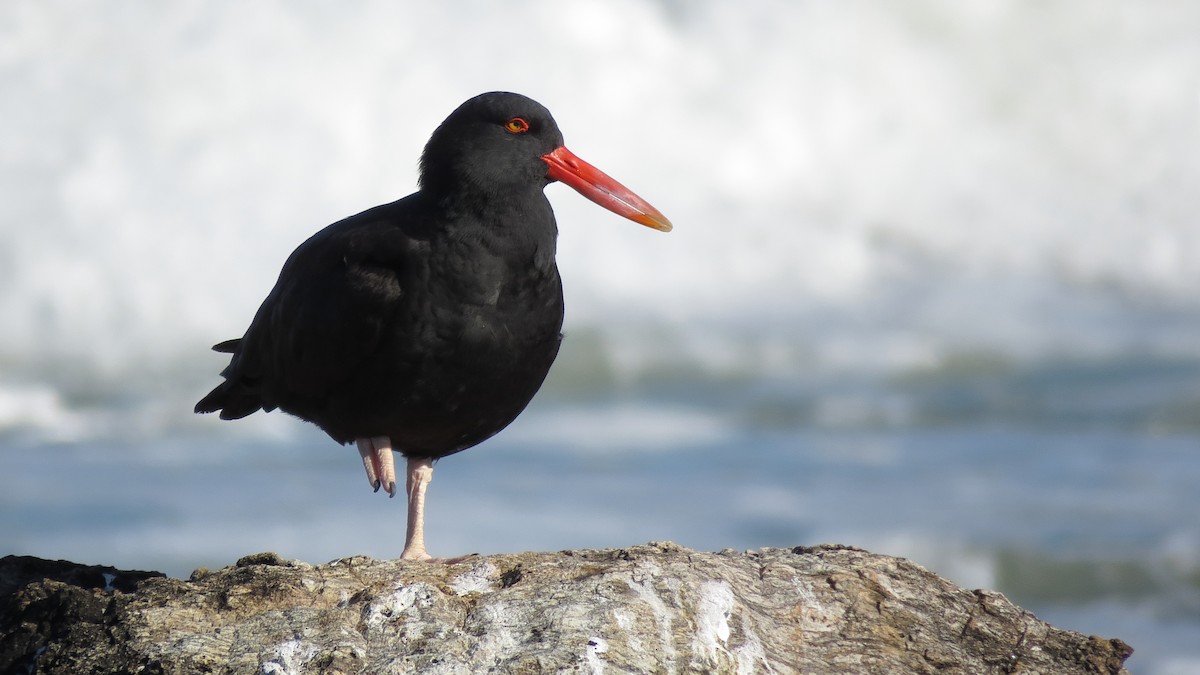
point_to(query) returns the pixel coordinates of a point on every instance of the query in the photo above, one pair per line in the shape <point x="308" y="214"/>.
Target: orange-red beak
<point x="599" y="187"/>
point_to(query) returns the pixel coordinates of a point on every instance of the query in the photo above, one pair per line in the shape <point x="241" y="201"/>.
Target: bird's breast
<point x="481" y="303"/>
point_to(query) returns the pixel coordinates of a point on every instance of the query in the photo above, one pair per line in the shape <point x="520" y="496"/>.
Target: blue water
<point x="931" y="291"/>
<point x="1057" y="485"/>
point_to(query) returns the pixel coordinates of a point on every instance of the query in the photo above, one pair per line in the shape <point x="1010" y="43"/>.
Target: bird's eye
<point x="516" y="126"/>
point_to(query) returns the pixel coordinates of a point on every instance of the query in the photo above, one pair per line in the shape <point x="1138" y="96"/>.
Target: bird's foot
<point x="413" y="553"/>
<point x="422" y="556"/>
<point x="378" y="462"/>
<point x="456" y="560"/>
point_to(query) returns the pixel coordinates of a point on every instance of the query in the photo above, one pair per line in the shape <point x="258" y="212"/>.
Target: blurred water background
<point x="932" y="288"/>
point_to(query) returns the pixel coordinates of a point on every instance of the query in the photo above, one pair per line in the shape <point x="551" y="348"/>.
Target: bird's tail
<point x="233" y="397"/>
<point x="228" y="346"/>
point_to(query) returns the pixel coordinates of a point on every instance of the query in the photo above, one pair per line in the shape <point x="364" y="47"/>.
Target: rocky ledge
<point x="658" y="608"/>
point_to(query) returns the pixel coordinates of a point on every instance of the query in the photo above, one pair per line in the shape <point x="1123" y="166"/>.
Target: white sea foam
<point x="953" y="173"/>
<point x="35" y="406"/>
<point x="619" y="428"/>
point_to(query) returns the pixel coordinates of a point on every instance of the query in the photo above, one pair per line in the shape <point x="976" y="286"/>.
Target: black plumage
<point x="425" y="325"/>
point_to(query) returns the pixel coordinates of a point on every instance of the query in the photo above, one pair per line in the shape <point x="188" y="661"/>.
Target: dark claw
<point x="392" y="489"/>
<point x="376" y="485"/>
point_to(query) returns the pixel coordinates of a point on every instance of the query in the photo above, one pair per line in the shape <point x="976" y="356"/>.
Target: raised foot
<point x="377" y="459"/>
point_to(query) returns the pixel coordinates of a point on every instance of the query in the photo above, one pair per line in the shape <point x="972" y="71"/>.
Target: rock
<point x="658" y="608"/>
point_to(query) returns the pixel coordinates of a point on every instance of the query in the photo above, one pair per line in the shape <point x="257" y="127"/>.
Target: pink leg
<point x="420" y="473"/>
<point x="378" y="461"/>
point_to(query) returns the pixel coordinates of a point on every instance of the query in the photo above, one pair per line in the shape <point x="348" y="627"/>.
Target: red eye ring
<point x="516" y="125"/>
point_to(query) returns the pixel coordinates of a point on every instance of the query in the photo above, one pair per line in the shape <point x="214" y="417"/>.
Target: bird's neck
<point x="504" y="239"/>
<point x="523" y="215"/>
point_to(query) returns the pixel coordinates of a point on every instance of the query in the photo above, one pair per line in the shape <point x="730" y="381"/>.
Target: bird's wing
<point x="326" y="315"/>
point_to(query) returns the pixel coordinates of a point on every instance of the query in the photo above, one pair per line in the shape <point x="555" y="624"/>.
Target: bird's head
<point x="500" y="142"/>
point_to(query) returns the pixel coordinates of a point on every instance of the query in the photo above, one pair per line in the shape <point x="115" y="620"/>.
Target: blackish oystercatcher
<point x="426" y="325"/>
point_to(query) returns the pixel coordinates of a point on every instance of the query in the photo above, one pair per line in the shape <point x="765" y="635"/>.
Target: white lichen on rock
<point x="645" y="609"/>
<point x="480" y="578"/>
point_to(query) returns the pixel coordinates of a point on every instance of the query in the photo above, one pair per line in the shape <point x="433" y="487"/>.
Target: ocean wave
<point x="972" y="178"/>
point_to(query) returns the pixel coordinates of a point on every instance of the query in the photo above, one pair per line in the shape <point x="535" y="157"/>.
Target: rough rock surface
<point x="657" y="608"/>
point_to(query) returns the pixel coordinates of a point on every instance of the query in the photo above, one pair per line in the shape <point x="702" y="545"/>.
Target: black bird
<point x="426" y="325"/>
